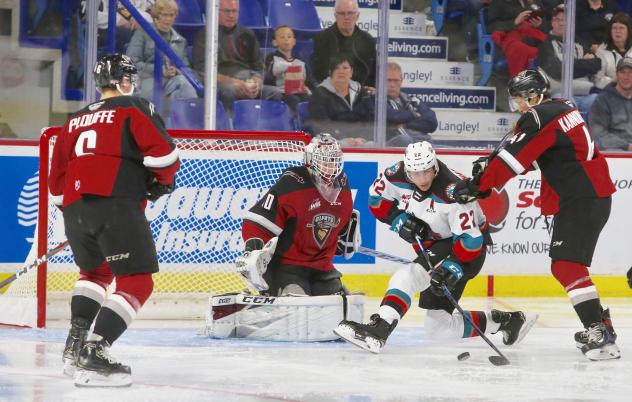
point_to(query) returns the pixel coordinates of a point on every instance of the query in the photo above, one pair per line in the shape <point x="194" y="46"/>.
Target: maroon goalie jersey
<point x="112" y="148"/>
<point x="553" y="137"/>
<point x="306" y="223"/>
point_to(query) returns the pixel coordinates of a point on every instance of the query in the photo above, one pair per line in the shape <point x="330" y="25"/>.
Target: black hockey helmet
<point x="528" y="84"/>
<point x="109" y="70"/>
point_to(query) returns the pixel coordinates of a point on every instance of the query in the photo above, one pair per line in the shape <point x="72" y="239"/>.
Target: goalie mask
<point x="110" y="71"/>
<point x="324" y="161"/>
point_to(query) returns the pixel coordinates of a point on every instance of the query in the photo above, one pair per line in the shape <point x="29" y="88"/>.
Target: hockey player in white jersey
<point x="415" y="198"/>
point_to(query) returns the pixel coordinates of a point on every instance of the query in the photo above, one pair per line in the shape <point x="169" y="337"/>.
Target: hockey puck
<point x="463" y="356"/>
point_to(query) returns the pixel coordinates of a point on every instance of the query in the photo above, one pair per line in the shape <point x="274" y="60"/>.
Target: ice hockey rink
<point x="174" y="361"/>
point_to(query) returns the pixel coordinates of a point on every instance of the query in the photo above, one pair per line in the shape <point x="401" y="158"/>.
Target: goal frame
<point x="43" y="205"/>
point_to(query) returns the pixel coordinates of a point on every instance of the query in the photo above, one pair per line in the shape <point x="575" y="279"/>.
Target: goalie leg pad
<point x="302" y="319"/>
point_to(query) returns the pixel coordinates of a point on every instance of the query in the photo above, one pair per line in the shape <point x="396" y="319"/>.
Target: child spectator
<point x="287" y="73"/>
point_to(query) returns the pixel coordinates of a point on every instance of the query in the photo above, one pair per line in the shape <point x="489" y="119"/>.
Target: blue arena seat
<point x="189" y="20"/>
<point x="302" y="114"/>
<point x="301" y="15"/>
<point x="251" y="15"/>
<point x="189" y="114"/>
<point x="262" y="115"/>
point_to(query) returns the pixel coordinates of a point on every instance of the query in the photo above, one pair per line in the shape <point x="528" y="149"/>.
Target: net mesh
<point x="197" y="228"/>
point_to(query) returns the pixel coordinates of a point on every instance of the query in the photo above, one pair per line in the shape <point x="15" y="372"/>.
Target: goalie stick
<point x="499" y="360"/>
<point x="39" y="261"/>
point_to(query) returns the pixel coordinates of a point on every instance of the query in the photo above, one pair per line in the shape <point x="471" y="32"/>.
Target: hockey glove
<point x="349" y="239"/>
<point x="448" y="273"/>
<point x="479" y="165"/>
<point x="409" y="227"/>
<point x="157" y="190"/>
<point x="630" y="278"/>
<point x="253" y="264"/>
<point x="467" y="191"/>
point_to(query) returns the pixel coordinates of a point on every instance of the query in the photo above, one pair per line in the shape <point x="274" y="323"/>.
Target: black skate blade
<point x="498" y="360"/>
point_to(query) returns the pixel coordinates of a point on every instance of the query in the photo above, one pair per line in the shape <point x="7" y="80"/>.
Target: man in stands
<point x="345" y="37"/>
<point x="303" y="220"/>
<point x="109" y="159"/>
<point x="409" y="120"/>
<point x="240" y="68"/>
<point x="576" y="189"/>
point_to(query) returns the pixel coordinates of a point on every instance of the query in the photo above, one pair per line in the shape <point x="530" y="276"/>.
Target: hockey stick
<point x="389" y="257"/>
<point x="501" y="359"/>
<point x="34" y="264"/>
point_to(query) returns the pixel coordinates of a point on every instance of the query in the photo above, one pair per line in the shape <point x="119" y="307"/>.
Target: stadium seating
<point x="189" y="114"/>
<point x="262" y="115"/>
<point x="301" y="15"/>
<point x="302" y="115"/>
<point x="190" y="18"/>
<point x="251" y="15"/>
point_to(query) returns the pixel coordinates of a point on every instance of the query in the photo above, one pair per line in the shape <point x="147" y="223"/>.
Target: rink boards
<point x="517" y="264"/>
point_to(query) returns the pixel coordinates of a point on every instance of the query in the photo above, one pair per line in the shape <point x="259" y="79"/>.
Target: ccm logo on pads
<point x="117" y="257"/>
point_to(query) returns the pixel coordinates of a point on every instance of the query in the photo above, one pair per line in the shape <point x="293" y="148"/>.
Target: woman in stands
<point x="614" y="48"/>
<point x="516" y="28"/>
<point x="142" y="51"/>
<point x="340" y="105"/>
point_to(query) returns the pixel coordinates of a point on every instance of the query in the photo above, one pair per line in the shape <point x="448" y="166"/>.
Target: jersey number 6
<point x="87" y="140"/>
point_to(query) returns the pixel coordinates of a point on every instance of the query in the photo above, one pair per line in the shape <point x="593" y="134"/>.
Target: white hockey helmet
<point x="324" y="158"/>
<point x="420" y="157"/>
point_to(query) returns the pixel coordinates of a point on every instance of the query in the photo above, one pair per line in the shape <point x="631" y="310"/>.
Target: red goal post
<point x="197" y="228"/>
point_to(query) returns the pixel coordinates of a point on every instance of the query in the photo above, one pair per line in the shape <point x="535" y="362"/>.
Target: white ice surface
<point x="171" y="361"/>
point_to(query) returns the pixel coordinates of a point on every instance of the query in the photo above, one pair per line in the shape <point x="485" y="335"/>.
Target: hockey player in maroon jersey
<point x="109" y="159"/>
<point x="415" y="198"/>
<point x="576" y="189"/>
<point x="303" y="221"/>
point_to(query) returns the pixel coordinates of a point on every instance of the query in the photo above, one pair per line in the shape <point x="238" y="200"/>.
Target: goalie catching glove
<point x="254" y="262"/>
<point x="349" y="239"/>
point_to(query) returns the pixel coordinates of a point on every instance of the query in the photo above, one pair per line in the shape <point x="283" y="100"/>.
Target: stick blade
<point x="499" y="360"/>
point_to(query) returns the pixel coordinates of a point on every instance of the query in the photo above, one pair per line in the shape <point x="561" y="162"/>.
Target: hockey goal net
<point x="197" y="228"/>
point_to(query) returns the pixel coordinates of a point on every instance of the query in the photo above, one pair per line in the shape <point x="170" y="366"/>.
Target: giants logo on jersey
<point x="321" y="225"/>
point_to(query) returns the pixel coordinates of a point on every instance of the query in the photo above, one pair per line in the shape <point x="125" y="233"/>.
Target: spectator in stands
<point x="126" y="25"/>
<point x="609" y="117"/>
<point x="345" y="37"/>
<point x="592" y="20"/>
<point x="141" y="50"/>
<point x="614" y="48"/>
<point x="239" y="66"/>
<point x="515" y="28"/>
<point x="408" y="121"/>
<point x="585" y="66"/>
<point x="288" y="73"/>
<point x="341" y="106"/>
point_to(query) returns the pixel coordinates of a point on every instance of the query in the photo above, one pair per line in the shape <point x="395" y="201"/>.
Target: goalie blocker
<point x="287" y="318"/>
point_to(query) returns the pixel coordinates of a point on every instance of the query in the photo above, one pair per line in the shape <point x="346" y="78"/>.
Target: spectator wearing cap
<point x="585" y="65"/>
<point x="609" y="116"/>
<point x="345" y="38"/>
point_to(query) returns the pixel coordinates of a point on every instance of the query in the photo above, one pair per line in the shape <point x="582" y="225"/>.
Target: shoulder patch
<point x="95" y="106"/>
<point x="392" y="170"/>
<point x="449" y="191"/>
<point x="293" y="175"/>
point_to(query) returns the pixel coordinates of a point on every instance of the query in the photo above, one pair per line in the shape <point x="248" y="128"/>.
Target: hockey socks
<point x="580" y="289"/>
<point x="394" y="305"/>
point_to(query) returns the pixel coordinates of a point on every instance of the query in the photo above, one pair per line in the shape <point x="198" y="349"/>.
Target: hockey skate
<point x="514" y="325"/>
<point x="96" y="368"/>
<point x="76" y="337"/>
<point x="600" y="344"/>
<point x="581" y="337"/>
<point x="371" y="336"/>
